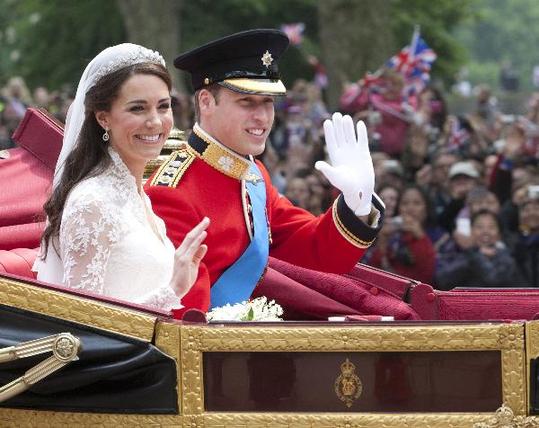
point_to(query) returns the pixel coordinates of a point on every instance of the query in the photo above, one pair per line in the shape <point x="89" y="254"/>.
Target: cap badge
<point x="267" y="59"/>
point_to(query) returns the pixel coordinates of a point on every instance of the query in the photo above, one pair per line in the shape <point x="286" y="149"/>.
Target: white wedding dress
<point x="112" y="243"/>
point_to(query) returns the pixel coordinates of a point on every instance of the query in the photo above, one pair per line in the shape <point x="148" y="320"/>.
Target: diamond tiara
<point x="137" y="56"/>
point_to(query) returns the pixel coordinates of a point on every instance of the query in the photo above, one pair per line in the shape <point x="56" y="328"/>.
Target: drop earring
<point x="106" y="136"/>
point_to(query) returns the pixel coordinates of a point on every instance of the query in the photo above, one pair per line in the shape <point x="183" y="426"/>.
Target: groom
<point x="236" y="80"/>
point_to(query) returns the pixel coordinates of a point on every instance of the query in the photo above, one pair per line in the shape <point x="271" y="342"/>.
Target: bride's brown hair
<point x="90" y="156"/>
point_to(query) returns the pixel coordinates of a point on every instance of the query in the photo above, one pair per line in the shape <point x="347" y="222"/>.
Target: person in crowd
<point x="511" y="174"/>
<point x="320" y="196"/>
<point x="478" y="199"/>
<point x="487" y="263"/>
<point x="525" y="242"/>
<point x="417" y="148"/>
<point x="16" y="99"/>
<point x="404" y="246"/>
<point x="463" y="177"/>
<point x="489" y="163"/>
<point x="182" y="110"/>
<point x="236" y="81"/>
<point x="101" y="234"/>
<point x="434" y="102"/>
<point x="385" y="109"/>
<point x="41" y="98"/>
<point x="315" y="108"/>
<point x="487" y="104"/>
<point x="298" y="192"/>
<point x="5" y="140"/>
<point x="435" y="179"/>
<point x="390" y="195"/>
<point x="462" y="137"/>
<point x="391" y="171"/>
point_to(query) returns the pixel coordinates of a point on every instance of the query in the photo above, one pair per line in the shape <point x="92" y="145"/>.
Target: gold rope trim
<point x="170" y="175"/>
<point x="348" y="235"/>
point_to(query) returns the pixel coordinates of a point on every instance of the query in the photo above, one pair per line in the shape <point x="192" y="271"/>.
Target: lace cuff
<point x="163" y="299"/>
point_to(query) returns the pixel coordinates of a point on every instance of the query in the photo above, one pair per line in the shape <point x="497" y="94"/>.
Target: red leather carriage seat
<point x="27" y="182"/>
<point x="18" y="261"/>
<point x="26" y="175"/>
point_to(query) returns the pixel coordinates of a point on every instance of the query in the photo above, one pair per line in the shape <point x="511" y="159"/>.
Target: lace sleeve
<point x="86" y="236"/>
<point x="88" y="233"/>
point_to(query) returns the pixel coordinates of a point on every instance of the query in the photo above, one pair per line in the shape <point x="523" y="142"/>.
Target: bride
<point x="102" y="235"/>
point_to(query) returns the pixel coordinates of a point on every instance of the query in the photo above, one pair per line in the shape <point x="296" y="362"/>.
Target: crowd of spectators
<point x="461" y="191"/>
<point x="15" y="98"/>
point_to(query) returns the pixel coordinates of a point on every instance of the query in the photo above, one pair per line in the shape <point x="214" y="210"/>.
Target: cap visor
<point x="255" y="86"/>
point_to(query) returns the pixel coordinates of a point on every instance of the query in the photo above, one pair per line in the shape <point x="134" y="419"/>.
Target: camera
<point x="507" y="119"/>
<point x="533" y="192"/>
<point x="396" y="222"/>
<point x="464" y="226"/>
<point x="374" y="118"/>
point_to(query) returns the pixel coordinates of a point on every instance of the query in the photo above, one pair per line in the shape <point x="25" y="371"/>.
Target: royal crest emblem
<point x="348" y="386"/>
<point x="267" y="59"/>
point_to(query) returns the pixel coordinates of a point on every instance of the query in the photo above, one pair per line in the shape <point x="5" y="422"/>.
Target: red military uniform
<point x="207" y="179"/>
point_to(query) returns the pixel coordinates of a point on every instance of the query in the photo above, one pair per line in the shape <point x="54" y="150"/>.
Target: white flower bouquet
<point x="258" y="309"/>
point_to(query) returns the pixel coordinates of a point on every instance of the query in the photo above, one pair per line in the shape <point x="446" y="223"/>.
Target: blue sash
<point x="238" y="282"/>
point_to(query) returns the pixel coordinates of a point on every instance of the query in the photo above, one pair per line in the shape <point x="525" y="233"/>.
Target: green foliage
<point x="249" y="316"/>
<point x="503" y="30"/>
<point x="56" y="38"/>
<point x="483" y="72"/>
<point x="205" y="20"/>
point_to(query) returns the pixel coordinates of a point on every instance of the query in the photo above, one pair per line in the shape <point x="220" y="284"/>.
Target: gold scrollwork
<point x="506" y="338"/>
<point x="505" y="418"/>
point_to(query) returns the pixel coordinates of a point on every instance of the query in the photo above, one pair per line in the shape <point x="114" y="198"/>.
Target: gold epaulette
<point x="171" y="171"/>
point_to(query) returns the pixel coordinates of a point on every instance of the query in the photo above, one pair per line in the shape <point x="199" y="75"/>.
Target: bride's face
<point x="139" y="120"/>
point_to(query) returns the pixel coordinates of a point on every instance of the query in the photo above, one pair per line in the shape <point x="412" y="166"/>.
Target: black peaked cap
<point x="244" y="62"/>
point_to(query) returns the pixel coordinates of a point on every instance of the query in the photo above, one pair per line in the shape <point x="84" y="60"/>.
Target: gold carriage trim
<point x="170" y="173"/>
<point x="221" y="158"/>
<point x="82" y="310"/>
<point x="348" y="235"/>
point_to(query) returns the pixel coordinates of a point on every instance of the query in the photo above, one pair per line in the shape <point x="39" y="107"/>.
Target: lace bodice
<point x="112" y="243"/>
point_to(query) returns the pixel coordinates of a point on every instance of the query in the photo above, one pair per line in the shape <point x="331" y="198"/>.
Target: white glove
<point x="351" y="169"/>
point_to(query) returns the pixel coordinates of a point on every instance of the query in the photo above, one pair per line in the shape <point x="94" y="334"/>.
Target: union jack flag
<point x="294" y="32"/>
<point x="458" y="135"/>
<point x="414" y="63"/>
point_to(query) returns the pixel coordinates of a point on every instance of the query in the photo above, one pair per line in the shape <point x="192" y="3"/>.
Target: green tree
<point x="161" y="32"/>
<point x="437" y="21"/>
<point x="501" y="31"/>
<point x="50" y="41"/>
<point x="360" y="36"/>
<point x="228" y="16"/>
<point x="55" y="39"/>
<point x="351" y="40"/>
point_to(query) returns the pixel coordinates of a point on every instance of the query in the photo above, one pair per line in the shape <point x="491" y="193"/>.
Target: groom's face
<point x="242" y="122"/>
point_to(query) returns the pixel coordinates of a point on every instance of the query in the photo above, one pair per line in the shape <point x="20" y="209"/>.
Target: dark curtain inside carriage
<point x="114" y="373"/>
